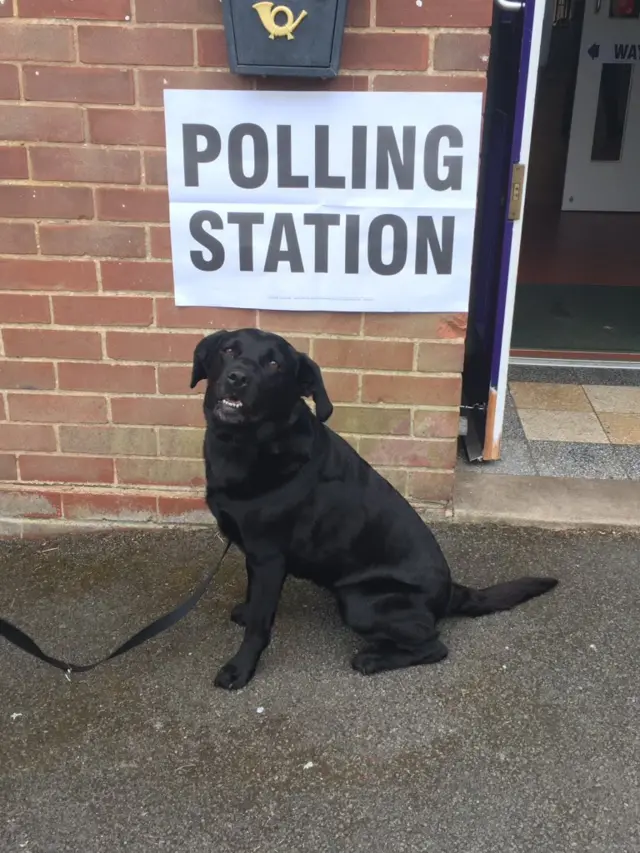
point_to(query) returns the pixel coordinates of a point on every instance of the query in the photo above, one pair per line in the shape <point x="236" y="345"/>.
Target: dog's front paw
<point x="367" y="662"/>
<point x="239" y="615"/>
<point x="232" y="677"/>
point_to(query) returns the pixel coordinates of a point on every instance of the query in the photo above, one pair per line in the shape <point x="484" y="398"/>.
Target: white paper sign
<point x="323" y="201"/>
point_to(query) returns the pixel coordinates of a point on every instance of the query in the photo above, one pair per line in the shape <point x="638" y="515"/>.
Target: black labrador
<point x="297" y="499"/>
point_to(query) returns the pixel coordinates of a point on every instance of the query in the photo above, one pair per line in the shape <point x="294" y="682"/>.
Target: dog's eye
<point x="274" y="365"/>
<point x="228" y="350"/>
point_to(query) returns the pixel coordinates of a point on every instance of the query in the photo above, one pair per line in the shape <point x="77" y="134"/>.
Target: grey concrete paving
<point x="559" y="502"/>
<point x="526" y="740"/>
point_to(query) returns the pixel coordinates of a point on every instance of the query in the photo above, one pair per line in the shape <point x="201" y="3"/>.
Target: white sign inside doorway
<point x="340" y="201"/>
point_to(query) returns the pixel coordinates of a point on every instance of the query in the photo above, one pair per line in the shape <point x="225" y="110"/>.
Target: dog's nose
<point x="237" y="379"/>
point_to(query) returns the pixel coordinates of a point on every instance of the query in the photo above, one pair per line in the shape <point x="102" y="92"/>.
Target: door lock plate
<point x="516" y="192"/>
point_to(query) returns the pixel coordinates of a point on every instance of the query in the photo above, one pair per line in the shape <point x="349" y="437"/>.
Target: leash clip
<point x="68" y="674"/>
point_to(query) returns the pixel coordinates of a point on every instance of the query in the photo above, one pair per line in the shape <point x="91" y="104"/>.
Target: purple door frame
<point x="491" y="304"/>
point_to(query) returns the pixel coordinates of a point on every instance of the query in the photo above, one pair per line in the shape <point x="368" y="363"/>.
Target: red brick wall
<point x="96" y="417"/>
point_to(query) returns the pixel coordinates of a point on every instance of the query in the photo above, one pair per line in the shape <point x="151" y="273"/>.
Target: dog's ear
<point x="203" y="356"/>
<point x="312" y="385"/>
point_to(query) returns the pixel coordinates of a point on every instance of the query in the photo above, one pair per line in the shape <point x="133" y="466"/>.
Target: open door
<point x="511" y="84"/>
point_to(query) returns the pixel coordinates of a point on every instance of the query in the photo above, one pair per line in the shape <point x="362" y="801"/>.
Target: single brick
<point x="108" y="441"/>
<point x="65" y="469"/>
<point x="461" y="52"/>
<point x="151" y="346"/>
<point x="79" y="85"/>
<point x="93" y="238"/>
<point x="160" y="240"/>
<point x="45" y="202"/>
<point x="155" y="168"/>
<point x="24" y="308"/>
<point x="36" y="42"/>
<point x="116" y="378"/>
<point x="113" y="10"/>
<point x="18" y="238"/>
<point x="125" y="127"/>
<point x="152" y="83"/>
<point x="90" y="165"/>
<point x="26" y="123"/>
<point x="31" y="274"/>
<point x="9" y="82"/>
<point x="13" y="162"/>
<point x="385" y="51"/>
<point x="359" y="13"/>
<point x="185" y="443"/>
<point x="376" y="355"/>
<point x="411" y="390"/>
<point x="415" y="453"/>
<point x="27" y="437"/>
<point x="186" y="12"/>
<point x="160" y="472"/>
<point x="157" y="411"/>
<point x="135" y="46"/>
<point x="212" y="48"/>
<point x="361" y="420"/>
<point x="310" y="322"/>
<point x="431" y="486"/>
<point x="173" y="316"/>
<point x="440" y="358"/>
<point x="57" y="409"/>
<point x="436" y="423"/>
<point x="428" y="83"/>
<point x="52" y="343"/>
<point x="27" y="375"/>
<point x="434" y="13"/>
<point x="132" y="205"/>
<point x="176" y="380"/>
<point x="102" y="311"/>
<point x="341" y="387"/>
<point x="8" y="467"/>
<point x="106" y="507"/>
<point x="14" y="504"/>
<point x="186" y="510"/>
<point x="137" y="276"/>
<point x="420" y="326"/>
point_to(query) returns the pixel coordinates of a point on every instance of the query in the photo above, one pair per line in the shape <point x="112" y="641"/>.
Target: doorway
<point x="564" y="406"/>
<point x="578" y="283"/>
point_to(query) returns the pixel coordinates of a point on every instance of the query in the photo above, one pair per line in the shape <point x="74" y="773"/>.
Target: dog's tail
<point x="503" y="596"/>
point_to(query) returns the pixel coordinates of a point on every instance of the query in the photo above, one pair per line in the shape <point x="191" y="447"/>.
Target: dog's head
<point x="253" y="377"/>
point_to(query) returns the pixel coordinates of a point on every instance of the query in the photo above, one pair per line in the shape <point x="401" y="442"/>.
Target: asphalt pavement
<point x="525" y="740"/>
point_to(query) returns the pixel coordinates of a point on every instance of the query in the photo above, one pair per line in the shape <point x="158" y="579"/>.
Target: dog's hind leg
<point x="399" y="629"/>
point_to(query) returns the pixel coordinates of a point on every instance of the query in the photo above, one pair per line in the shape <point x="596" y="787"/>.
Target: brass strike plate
<point x="516" y="192"/>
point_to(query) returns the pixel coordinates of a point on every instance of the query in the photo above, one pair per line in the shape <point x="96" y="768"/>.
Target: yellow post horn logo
<point x="268" y="16"/>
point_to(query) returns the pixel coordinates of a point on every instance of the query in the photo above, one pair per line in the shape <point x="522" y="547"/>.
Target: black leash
<point x="23" y="641"/>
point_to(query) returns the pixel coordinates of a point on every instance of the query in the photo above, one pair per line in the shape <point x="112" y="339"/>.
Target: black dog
<point x="297" y="499"/>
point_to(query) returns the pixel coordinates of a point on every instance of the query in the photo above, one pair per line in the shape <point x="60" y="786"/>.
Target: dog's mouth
<point x="230" y="409"/>
<point x="230" y="403"/>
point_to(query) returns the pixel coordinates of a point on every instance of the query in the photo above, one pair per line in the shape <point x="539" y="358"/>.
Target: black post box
<point x="301" y="38"/>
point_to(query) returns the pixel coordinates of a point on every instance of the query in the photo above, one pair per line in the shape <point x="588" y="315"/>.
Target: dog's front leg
<point x="239" y="612"/>
<point x="267" y="578"/>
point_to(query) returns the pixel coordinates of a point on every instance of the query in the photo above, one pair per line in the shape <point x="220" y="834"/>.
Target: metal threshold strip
<point x="575" y="362"/>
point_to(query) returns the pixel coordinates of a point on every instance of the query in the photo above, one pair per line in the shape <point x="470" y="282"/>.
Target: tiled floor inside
<point x="571" y="422"/>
